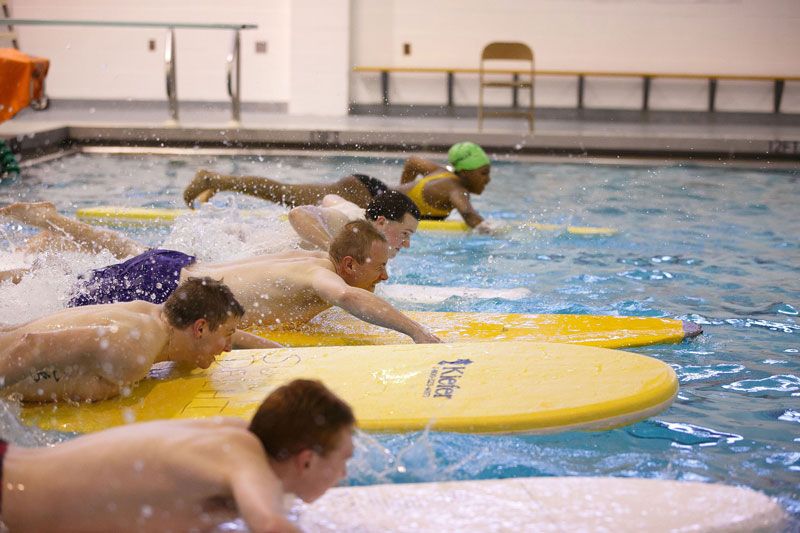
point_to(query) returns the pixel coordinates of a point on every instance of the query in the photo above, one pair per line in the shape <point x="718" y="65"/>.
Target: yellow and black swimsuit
<point x="428" y="211"/>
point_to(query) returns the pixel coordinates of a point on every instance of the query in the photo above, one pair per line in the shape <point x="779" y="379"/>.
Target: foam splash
<point x="225" y="234"/>
<point x="13" y="430"/>
<point x="48" y="285"/>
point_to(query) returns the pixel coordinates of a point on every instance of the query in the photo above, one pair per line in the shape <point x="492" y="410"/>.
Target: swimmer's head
<point x="467" y="156"/>
<point x="307" y="431"/>
<point x="392" y="205"/>
<point x="204" y="298"/>
<point x="359" y="253"/>
<point x="396" y="216"/>
<point x="205" y="313"/>
<point x="299" y="415"/>
<point x="355" y="240"/>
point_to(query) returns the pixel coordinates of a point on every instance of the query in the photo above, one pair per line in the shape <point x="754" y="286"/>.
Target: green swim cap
<point x="467" y="156"/>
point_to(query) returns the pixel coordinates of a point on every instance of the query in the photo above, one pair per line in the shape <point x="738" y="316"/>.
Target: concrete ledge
<point x="36" y="144"/>
<point x="512" y="143"/>
<point x="39" y="143"/>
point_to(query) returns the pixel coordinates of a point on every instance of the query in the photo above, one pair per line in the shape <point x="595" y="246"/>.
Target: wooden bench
<point x="647" y="77"/>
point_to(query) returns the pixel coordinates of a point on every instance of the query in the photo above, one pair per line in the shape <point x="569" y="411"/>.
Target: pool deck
<point x="758" y="137"/>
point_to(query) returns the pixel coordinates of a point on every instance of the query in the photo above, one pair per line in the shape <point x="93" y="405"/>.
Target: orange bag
<point x="21" y="79"/>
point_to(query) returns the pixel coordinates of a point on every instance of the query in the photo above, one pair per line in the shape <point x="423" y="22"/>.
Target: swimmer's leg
<point x="207" y="183"/>
<point x="45" y="241"/>
<point x="43" y="215"/>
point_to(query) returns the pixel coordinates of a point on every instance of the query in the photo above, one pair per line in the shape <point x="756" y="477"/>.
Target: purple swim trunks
<point x="151" y="276"/>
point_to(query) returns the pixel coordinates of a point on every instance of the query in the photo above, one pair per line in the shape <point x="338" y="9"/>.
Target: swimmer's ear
<point x="303" y="459"/>
<point x="200" y="327"/>
<point x="348" y="263"/>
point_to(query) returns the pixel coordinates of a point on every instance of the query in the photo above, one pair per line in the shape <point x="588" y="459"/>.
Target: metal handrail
<point x="127" y="24"/>
<point x="233" y="60"/>
<point x="234" y="90"/>
<point x="169" y="63"/>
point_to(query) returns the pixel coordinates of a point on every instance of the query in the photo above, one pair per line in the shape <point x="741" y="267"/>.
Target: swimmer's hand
<point x="492" y="227"/>
<point x="426" y="337"/>
<point x="201" y="189"/>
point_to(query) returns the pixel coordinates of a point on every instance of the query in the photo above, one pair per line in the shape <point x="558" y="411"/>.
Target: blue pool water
<point x="716" y="245"/>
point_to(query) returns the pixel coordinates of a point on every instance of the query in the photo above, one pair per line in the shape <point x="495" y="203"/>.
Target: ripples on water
<point x="717" y="246"/>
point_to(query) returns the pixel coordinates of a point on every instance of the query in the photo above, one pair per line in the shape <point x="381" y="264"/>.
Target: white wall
<point x="313" y="45"/>
<point x="320" y="57"/>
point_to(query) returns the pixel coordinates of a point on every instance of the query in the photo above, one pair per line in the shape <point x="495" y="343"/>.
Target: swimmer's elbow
<point x="330" y="200"/>
<point x="340" y="297"/>
<point x="349" y="298"/>
<point x="297" y="215"/>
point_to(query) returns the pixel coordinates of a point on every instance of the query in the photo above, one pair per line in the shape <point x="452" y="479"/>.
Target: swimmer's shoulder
<point x="224" y="434"/>
<point x="311" y="257"/>
<point x="137" y="313"/>
<point x="219" y="423"/>
<point x="208" y="431"/>
<point x="135" y="306"/>
<point x="300" y="255"/>
<point x="444" y="180"/>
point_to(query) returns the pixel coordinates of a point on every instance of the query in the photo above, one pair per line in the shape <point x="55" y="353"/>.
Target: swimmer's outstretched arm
<point x="459" y="198"/>
<point x="244" y="340"/>
<point x="370" y="308"/>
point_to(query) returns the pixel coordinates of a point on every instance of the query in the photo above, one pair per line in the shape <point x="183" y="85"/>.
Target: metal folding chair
<point x="521" y="78"/>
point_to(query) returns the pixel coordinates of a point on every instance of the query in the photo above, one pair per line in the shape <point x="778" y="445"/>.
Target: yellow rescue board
<point x="544" y="504"/>
<point x="336" y="327"/>
<point x="490" y="387"/>
<point x="151" y="216"/>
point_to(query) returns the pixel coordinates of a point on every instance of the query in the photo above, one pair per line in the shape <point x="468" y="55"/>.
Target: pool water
<point x="716" y="245"/>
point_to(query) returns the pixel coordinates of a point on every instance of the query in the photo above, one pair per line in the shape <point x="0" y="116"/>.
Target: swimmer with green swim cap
<point x="438" y="191"/>
<point x="467" y="156"/>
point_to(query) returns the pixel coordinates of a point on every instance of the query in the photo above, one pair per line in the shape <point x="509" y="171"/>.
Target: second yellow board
<point x="336" y="327"/>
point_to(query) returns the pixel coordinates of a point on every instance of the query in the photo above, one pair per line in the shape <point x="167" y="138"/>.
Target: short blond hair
<point x="355" y="240"/>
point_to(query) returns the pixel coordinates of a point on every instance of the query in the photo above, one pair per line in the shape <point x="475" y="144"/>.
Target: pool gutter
<point x="699" y="148"/>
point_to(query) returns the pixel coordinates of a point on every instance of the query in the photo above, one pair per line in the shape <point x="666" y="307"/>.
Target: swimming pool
<point x="716" y="245"/>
